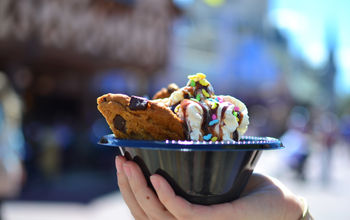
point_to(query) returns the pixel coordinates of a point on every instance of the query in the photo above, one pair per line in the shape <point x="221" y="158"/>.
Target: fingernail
<point x="127" y="170"/>
<point x="155" y="182"/>
<point x="119" y="164"/>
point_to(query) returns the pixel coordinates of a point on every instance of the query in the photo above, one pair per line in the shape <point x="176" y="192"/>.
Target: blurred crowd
<point x="11" y="140"/>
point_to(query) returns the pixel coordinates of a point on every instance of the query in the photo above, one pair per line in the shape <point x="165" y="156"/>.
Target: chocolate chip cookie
<point x="166" y="92"/>
<point x="138" y="118"/>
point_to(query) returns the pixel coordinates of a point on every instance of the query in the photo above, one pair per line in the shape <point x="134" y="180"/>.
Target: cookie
<point x="166" y="92"/>
<point x="140" y="119"/>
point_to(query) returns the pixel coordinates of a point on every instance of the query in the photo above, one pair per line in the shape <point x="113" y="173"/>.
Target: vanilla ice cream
<point x="207" y="116"/>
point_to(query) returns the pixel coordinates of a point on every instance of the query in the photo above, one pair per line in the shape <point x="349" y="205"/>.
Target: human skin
<point x="263" y="198"/>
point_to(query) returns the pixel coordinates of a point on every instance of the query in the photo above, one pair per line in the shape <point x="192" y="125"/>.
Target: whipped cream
<point x="207" y="116"/>
<point x="193" y="115"/>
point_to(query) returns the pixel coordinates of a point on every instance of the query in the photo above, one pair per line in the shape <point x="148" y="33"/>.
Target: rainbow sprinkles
<point x="207" y="116"/>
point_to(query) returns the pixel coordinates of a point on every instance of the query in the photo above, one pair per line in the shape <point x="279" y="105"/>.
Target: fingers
<point x="176" y="205"/>
<point x="255" y="182"/>
<point x="126" y="191"/>
<point x="141" y="200"/>
<point x="145" y="197"/>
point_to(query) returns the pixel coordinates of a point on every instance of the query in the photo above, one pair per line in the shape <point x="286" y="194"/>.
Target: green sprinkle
<point x="193" y="83"/>
<point x="194" y="99"/>
<point x="213" y="139"/>
<point x="235" y="114"/>
<point x="198" y="97"/>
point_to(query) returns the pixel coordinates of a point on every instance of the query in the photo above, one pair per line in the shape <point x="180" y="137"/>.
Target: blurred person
<point x="263" y="198"/>
<point x="327" y="130"/>
<point x="11" y="140"/>
<point x="295" y="140"/>
<point x="345" y="129"/>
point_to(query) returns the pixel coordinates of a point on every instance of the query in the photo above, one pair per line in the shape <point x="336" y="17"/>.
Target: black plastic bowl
<point x="201" y="172"/>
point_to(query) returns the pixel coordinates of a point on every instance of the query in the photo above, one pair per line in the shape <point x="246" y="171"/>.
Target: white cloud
<point x="315" y="52"/>
<point x="288" y="20"/>
<point x="343" y="76"/>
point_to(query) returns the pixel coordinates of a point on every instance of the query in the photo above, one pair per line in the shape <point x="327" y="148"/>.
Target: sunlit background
<point x="287" y="60"/>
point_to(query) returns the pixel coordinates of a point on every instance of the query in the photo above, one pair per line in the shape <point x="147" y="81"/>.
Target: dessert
<point x="138" y="118"/>
<point x="166" y="92"/>
<point x="192" y="112"/>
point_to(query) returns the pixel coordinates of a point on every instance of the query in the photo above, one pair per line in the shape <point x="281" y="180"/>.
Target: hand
<point x="263" y="198"/>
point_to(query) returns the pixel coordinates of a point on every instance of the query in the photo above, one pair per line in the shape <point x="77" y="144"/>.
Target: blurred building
<point x="60" y="56"/>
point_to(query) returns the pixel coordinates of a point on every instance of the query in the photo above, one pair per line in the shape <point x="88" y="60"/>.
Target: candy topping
<point x="219" y="99"/>
<point x="213" y="122"/>
<point x="177" y="108"/>
<point x="193" y="83"/>
<point x="198" y="97"/>
<point x="203" y="82"/>
<point x="207" y="137"/>
<point x="214" y="105"/>
<point x="206" y="110"/>
<point x="197" y="77"/>
<point x="205" y="93"/>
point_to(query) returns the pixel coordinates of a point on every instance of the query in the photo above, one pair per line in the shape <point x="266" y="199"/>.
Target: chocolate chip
<point x="235" y="135"/>
<point x="119" y="123"/>
<point x="138" y="103"/>
<point x="104" y="140"/>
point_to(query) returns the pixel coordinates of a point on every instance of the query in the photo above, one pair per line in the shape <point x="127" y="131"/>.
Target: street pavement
<point x="326" y="200"/>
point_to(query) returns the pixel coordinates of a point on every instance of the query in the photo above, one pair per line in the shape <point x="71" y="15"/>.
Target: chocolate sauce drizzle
<point x="184" y="104"/>
<point x="223" y="110"/>
<point x="206" y="118"/>
<point x="208" y="112"/>
<point x="240" y="117"/>
<point x="235" y="135"/>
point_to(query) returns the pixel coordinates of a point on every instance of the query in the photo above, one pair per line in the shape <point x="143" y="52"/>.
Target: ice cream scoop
<point x="207" y="116"/>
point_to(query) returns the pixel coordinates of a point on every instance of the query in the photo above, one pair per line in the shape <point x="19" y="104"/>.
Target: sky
<point x="308" y="25"/>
